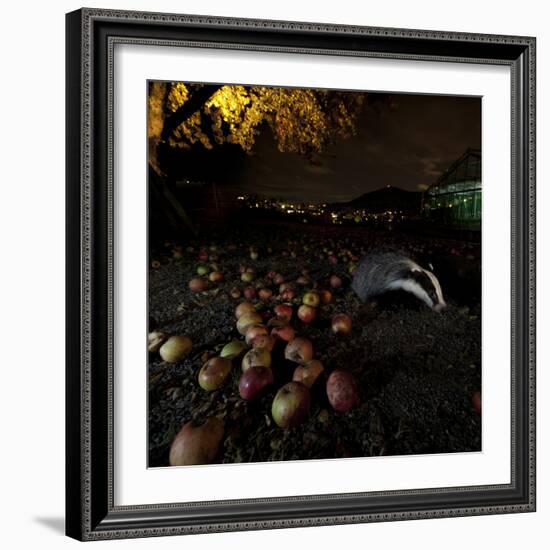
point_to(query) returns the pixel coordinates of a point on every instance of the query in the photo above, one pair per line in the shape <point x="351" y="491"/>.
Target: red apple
<point x="291" y="405"/>
<point x="335" y="281"/>
<point x="307" y="314"/>
<point x="265" y="294"/>
<point x="285" y="333"/>
<point x="253" y="381"/>
<point x="326" y="296"/>
<point x="250" y="293"/>
<point x="283" y="311"/>
<point x="278" y="279"/>
<point x="288" y="294"/>
<point x="203" y="256"/>
<point x="197" y="444"/>
<point x="216" y="276"/>
<point x="198" y="285"/>
<point x="342" y="390"/>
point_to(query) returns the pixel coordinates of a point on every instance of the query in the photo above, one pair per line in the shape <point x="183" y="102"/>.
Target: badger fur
<point x="382" y="272"/>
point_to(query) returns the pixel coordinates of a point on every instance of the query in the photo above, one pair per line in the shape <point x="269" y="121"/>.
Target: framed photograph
<point x="300" y="274"/>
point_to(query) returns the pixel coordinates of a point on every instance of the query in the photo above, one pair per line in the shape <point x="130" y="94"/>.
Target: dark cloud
<point x="407" y="146"/>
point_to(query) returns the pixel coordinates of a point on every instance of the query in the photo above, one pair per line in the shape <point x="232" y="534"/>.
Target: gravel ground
<point x="416" y="370"/>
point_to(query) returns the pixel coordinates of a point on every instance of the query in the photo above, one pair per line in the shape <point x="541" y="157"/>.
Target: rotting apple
<point x="299" y="350"/>
<point x="256" y="357"/>
<point x="307" y="374"/>
<point x="342" y="390"/>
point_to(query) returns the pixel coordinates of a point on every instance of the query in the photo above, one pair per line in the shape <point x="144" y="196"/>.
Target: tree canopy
<point x="302" y="121"/>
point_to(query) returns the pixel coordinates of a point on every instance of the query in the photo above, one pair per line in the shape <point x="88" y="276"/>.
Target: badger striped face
<point x="429" y="289"/>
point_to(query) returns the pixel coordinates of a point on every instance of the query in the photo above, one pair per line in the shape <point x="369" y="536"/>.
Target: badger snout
<point x="439" y="307"/>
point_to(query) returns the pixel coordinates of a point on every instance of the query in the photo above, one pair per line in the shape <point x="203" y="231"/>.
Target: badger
<point x="378" y="273"/>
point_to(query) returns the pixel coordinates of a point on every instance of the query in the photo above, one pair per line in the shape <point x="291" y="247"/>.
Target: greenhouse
<point x="455" y="198"/>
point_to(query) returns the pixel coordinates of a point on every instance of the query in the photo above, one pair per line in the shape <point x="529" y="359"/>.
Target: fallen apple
<point x="264" y="341"/>
<point x="256" y="357"/>
<point x="253" y="381"/>
<point x="307" y="374"/>
<point x="335" y="281"/>
<point x="307" y="314"/>
<point x="202" y="270"/>
<point x="342" y="390"/>
<point x="299" y="350"/>
<point x="341" y="323"/>
<point x="265" y="294"/>
<point x="288" y="294"/>
<point x="246" y="320"/>
<point x="291" y="405"/>
<point x="198" y="285"/>
<point x="175" y="348"/>
<point x="197" y="444"/>
<point x="250" y="293"/>
<point x="214" y="372"/>
<point x="244" y="307"/>
<point x="254" y="330"/>
<point x="203" y="256"/>
<point x="216" y="276"/>
<point x="233" y="349"/>
<point x="247" y="277"/>
<point x="283" y="311"/>
<point x="311" y="299"/>
<point x="155" y="339"/>
<point x="285" y="333"/>
<point x="235" y="293"/>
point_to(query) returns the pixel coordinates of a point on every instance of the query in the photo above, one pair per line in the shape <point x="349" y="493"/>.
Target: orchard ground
<point x="416" y="370"/>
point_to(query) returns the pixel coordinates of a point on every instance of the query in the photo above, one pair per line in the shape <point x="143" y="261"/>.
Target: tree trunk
<point x="176" y="214"/>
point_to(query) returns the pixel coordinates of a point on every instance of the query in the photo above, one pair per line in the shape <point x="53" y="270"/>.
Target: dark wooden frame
<point x="90" y="512"/>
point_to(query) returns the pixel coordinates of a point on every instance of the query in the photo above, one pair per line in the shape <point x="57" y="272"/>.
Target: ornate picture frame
<point x="91" y="512"/>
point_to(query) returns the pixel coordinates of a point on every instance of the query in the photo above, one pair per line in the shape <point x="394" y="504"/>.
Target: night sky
<point x="407" y="146"/>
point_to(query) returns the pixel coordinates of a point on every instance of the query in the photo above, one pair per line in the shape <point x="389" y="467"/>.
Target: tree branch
<point x="192" y="105"/>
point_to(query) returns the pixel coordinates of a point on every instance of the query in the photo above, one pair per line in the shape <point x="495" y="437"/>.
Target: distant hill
<point x="381" y="200"/>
